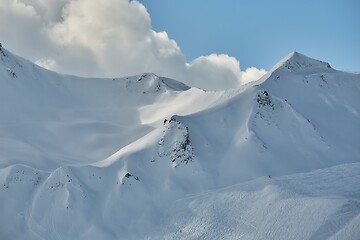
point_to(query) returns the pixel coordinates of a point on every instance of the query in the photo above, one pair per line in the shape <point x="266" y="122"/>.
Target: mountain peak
<point x="151" y="83"/>
<point x="296" y="61"/>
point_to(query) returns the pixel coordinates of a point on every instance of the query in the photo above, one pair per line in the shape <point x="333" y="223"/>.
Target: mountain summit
<point x="151" y="83"/>
<point x="296" y="61"/>
<point x="147" y="157"/>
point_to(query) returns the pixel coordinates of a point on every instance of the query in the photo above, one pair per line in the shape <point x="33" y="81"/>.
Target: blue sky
<point x="259" y="33"/>
<point x="207" y="44"/>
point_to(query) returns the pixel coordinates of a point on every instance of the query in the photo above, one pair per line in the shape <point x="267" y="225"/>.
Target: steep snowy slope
<point x="327" y="98"/>
<point x="49" y="119"/>
<point x="303" y="115"/>
<point x="96" y="159"/>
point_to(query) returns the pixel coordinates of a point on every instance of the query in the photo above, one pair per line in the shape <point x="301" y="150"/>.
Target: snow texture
<point x="147" y="157"/>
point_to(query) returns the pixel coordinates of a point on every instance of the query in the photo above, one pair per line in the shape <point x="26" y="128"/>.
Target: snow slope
<point x="95" y="159"/>
<point x="322" y="204"/>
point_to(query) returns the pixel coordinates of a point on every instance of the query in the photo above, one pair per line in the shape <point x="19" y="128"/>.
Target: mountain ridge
<point x="135" y="157"/>
<point x="296" y="60"/>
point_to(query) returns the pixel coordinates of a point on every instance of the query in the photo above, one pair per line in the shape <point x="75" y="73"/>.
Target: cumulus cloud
<point x="251" y="74"/>
<point x="219" y="71"/>
<point x="108" y="38"/>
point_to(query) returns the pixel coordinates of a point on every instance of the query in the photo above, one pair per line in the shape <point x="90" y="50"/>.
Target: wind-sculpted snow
<point x="147" y="157"/>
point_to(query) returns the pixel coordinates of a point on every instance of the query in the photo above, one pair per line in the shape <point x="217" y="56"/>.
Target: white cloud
<point x="251" y="74"/>
<point x="46" y="63"/>
<point x="219" y="71"/>
<point x="107" y="38"/>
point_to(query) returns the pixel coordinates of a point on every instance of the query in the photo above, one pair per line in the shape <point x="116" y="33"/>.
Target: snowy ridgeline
<point x="147" y="157"/>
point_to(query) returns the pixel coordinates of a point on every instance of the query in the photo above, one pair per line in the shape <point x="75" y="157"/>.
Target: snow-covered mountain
<point x="147" y="157"/>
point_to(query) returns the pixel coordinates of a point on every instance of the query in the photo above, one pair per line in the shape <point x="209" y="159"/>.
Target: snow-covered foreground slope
<point x="322" y="204"/>
<point x="96" y="159"/>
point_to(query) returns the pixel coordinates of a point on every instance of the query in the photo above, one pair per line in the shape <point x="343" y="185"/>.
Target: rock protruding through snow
<point x="175" y="143"/>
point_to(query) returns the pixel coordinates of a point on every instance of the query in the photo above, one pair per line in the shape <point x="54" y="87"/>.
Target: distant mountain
<point x="147" y="157"/>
